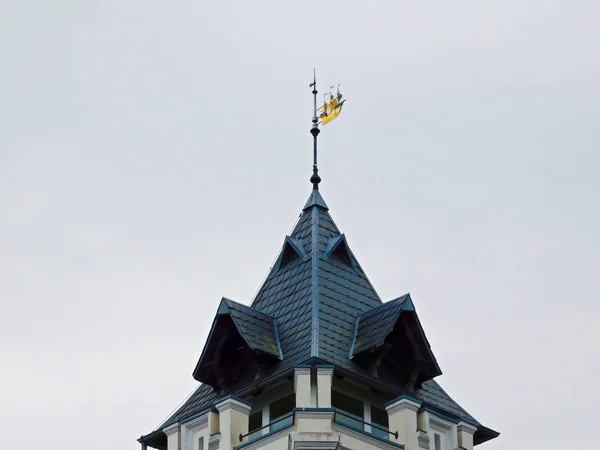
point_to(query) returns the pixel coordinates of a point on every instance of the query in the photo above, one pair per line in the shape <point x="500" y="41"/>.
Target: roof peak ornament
<point x="332" y="106"/>
<point x="315" y="179"/>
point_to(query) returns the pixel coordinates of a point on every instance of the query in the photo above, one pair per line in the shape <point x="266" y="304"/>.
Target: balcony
<point x="338" y="417"/>
<point x="356" y="423"/>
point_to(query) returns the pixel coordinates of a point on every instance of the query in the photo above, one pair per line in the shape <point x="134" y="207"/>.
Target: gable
<point x="241" y="340"/>
<point x="390" y="337"/>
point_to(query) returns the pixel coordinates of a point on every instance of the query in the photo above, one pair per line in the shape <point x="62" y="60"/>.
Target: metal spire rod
<point x="315" y="179"/>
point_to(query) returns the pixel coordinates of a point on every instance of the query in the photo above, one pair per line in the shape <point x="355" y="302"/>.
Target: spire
<point x="315" y="179"/>
<point x="332" y="107"/>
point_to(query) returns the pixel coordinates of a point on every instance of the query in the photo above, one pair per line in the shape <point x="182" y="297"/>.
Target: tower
<point x="317" y="360"/>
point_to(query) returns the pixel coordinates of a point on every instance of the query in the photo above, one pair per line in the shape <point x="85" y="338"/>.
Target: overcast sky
<point x="153" y="156"/>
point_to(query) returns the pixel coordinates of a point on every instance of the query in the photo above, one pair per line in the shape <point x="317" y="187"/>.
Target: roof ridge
<point x="315" y="197"/>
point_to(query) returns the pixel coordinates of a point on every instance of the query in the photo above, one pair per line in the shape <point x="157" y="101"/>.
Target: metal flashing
<point x="314" y="351"/>
<point x="333" y="244"/>
<point x="277" y="339"/>
<point x="315" y="199"/>
<point x="223" y="308"/>
<point x="351" y="354"/>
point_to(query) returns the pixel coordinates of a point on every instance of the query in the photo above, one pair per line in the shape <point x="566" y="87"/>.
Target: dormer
<point x="242" y="342"/>
<point x="390" y="339"/>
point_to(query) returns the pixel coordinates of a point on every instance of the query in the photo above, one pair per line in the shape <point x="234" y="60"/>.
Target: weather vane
<point x="332" y="106"/>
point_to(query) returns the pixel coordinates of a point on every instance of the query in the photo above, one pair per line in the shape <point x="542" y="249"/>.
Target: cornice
<point x="171" y="429"/>
<point x="401" y="403"/>
<point x="233" y="403"/>
<point x="198" y="422"/>
<point x="466" y="427"/>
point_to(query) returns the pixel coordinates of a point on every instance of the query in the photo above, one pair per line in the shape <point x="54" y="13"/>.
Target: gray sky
<point x="153" y="155"/>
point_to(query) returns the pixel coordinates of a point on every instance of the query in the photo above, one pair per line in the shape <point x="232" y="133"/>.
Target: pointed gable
<point x="391" y="333"/>
<point x="239" y="337"/>
<point x="286" y="294"/>
<point x="316" y="289"/>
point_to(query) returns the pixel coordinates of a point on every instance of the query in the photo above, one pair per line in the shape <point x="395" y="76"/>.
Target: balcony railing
<point x="278" y="424"/>
<point x="339" y="417"/>
<point x="356" y="423"/>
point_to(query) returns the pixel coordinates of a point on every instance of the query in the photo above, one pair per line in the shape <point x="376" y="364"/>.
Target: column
<point x="266" y="418"/>
<point x="402" y="414"/>
<point x="302" y="386"/>
<point x="465" y="435"/>
<point x="233" y="421"/>
<point x="324" y="382"/>
<point x="173" y="437"/>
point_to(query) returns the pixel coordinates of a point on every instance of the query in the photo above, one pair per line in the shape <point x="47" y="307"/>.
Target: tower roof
<point x="317" y="305"/>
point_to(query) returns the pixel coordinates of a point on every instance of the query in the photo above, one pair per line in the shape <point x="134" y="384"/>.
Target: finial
<point x="315" y="179"/>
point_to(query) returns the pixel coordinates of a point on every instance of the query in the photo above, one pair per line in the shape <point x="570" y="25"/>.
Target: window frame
<point x="443" y="428"/>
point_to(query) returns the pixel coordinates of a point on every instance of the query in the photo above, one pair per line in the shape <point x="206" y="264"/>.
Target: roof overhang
<point x="239" y="336"/>
<point x="393" y="333"/>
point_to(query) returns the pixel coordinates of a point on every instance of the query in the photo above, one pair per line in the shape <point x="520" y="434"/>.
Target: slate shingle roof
<point x="258" y="329"/>
<point x="315" y="299"/>
<point x="374" y="325"/>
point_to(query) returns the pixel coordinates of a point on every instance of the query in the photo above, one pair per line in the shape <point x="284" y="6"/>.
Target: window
<point x="442" y="434"/>
<point x="201" y="443"/>
<point x="351" y="407"/>
<point x="255" y="421"/>
<point x="379" y="416"/>
<point x="437" y="440"/>
<point x="281" y="408"/>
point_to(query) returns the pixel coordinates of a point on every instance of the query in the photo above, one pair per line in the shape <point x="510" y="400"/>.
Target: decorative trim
<point x="266" y="439"/>
<point x="466" y="427"/>
<point x="188" y="429"/>
<point x="445" y="427"/>
<point x="401" y="403"/>
<point x="408" y="397"/>
<point x="314" y="413"/>
<point x="441" y="416"/>
<point x="234" y="397"/>
<point x="440" y="424"/>
<point x="366" y="438"/>
<point x="201" y="413"/>
<point x="171" y="429"/>
<point x="423" y="440"/>
<point x="311" y="409"/>
<point x="316" y="445"/>
<point x="214" y="441"/>
<point x="237" y="404"/>
<point x="199" y="422"/>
